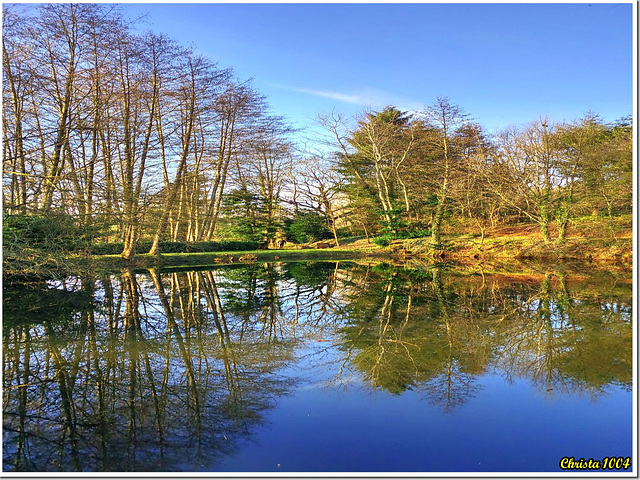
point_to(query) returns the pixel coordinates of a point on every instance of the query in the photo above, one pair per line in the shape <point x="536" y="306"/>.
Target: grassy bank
<point x="496" y="254"/>
<point x="602" y="244"/>
<point x="470" y="248"/>
<point x="598" y="243"/>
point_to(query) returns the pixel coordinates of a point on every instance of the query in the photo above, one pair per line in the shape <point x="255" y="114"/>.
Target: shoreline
<point x="496" y="253"/>
<point x="508" y="250"/>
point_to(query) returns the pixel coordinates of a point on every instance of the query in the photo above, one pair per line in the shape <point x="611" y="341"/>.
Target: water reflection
<point x="167" y="371"/>
<point x="414" y="330"/>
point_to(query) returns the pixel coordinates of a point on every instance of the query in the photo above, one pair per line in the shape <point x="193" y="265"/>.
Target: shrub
<point x="39" y="246"/>
<point x="385" y="239"/>
<point x="233" y="245"/>
<point x="106" y="248"/>
<point x="178" y="247"/>
<point x="44" y="232"/>
<point x="308" y="227"/>
<point x="382" y="241"/>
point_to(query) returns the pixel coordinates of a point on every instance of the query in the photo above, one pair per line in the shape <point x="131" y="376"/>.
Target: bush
<point x="308" y="227"/>
<point x="106" y="248"/>
<point x="382" y="241"/>
<point x="232" y="245"/>
<point x="418" y="233"/>
<point x="40" y="246"/>
<point x="385" y="239"/>
<point x="57" y="232"/>
<point x="178" y="247"/>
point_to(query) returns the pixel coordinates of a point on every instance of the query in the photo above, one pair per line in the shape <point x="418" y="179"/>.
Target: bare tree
<point x="318" y="188"/>
<point x="445" y="117"/>
<point x="525" y="176"/>
<point x="200" y="82"/>
<point x="17" y="87"/>
<point x="238" y="109"/>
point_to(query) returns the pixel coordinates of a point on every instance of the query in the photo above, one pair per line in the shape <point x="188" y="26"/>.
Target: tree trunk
<point x="442" y="198"/>
<point x="174" y="190"/>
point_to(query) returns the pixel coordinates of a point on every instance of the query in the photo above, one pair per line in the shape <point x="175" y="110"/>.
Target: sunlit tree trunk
<point x="63" y="78"/>
<point x="188" y="107"/>
<point x="445" y="116"/>
<point x="135" y="149"/>
<point x="14" y="144"/>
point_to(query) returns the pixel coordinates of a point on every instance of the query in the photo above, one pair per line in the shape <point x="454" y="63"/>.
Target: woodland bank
<point x="507" y="252"/>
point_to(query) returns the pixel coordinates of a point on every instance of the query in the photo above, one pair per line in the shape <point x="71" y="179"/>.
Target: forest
<point x="126" y="143"/>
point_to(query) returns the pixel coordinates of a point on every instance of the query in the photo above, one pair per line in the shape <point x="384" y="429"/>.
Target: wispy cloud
<point x="367" y="97"/>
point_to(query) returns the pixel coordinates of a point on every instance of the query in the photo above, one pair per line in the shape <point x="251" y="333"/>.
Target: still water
<point x="316" y="367"/>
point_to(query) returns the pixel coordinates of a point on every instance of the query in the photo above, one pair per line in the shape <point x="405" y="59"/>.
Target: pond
<point x="317" y="367"/>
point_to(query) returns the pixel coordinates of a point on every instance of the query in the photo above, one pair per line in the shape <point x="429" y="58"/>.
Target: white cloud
<point x="366" y="97"/>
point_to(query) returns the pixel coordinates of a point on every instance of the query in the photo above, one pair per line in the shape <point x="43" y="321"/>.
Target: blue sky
<point x="504" y="64"/>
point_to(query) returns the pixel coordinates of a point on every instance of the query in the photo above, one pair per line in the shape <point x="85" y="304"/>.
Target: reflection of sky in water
<point x="505" y="426"/>
<point x="330" y="371"/>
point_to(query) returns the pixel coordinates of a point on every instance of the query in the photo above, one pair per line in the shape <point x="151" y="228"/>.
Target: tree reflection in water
<point x="411" y="329"/>
<point x="166" y="371"/>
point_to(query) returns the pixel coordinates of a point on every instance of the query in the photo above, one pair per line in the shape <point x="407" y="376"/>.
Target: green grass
<point x="591" y="239"/>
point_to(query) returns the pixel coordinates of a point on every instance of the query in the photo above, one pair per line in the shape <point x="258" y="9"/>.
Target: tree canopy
<point x="139" y="139"/>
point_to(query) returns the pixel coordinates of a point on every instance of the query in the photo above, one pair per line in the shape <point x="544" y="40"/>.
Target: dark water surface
<point x="316" y="367"/>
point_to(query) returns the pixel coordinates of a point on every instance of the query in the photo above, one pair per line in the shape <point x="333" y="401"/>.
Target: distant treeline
<point x="413" y="172"/>
<point x="136" y="140"/>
